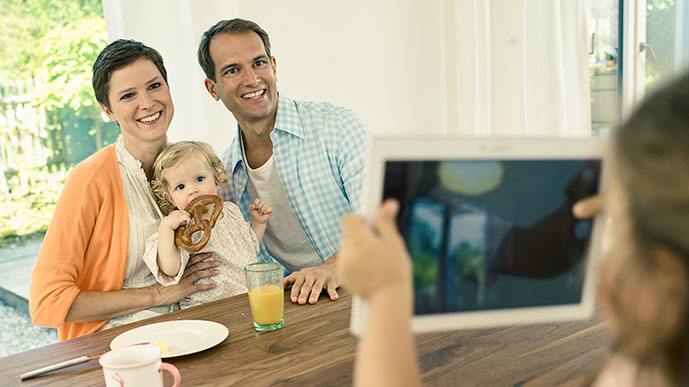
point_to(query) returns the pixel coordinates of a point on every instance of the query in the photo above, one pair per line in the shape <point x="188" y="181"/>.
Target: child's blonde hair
<point x="171" y="156"/>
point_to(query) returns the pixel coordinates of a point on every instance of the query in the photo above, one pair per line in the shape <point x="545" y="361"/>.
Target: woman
<point x="90" y="274"/>
<point x="644" y="288"/>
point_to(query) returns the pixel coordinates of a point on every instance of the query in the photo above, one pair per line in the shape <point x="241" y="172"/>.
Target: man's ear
<point x="275" y="73"/>
<point x="108" y="112"/>
<point x="210" y="86"/>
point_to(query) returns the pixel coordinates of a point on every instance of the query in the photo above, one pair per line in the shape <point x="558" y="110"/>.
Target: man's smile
<point x="254" y="95"/>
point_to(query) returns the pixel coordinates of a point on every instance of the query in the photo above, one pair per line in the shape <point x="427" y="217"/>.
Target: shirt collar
<point x="125" y="158"/>
<point x="287" y="117"/>
<point x="286" y="120"/>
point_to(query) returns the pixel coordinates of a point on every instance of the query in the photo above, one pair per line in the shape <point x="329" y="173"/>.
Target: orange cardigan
<point x="85" y="247"/>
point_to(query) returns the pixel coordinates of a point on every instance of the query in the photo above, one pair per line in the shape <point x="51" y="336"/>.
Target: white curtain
<point x="383" y="59"/>
<point x="521" y="68"/>
<point x="174" y="28"/>
<point x="413" y="67"/>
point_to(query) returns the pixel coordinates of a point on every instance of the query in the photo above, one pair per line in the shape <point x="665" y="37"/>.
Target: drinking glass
<point x="264" y="282"/>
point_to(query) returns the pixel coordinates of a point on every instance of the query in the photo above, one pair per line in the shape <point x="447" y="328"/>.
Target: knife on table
<point x="65" y="364"/>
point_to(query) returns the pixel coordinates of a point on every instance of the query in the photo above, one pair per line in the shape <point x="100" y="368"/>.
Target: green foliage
<point x="659" y="4"/>
<point x="425" y="264"/>
<point x="31" y="203"/>
<point x="58" y="41"/>
<point x="471" y="266"/>
<point x="55" y="41"/>
<point x="469" y="260"/>
<point x="26" y="22"/>
<point x="70" y="55"/>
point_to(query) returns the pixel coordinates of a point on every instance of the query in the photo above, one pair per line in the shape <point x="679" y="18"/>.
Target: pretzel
<point x="197" y="208"/>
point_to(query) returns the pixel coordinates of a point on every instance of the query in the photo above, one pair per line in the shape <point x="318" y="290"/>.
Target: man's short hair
<point x="227" y="26"/>
<point x="116" y="55"/>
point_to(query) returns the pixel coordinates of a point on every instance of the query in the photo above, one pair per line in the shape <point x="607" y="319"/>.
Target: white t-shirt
<point x="285" y="238"/>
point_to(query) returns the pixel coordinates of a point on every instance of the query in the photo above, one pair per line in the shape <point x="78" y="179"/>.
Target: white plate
<point x="182" y="336"/>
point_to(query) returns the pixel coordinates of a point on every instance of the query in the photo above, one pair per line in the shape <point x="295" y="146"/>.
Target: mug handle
<point x="172" y="370"/>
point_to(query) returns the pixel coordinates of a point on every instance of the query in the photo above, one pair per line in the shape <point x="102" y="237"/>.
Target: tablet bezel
<point x="457" y="148"/>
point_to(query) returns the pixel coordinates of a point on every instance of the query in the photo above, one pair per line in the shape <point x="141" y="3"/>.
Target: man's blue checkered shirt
<point x="320" y="152"/>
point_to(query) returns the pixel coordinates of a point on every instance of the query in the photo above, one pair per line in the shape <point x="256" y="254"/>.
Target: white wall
<point x="520" y="68"/>
<point x="419" y="67"/>
<point x="174" y="27"/>
<point x="384" y="59"/>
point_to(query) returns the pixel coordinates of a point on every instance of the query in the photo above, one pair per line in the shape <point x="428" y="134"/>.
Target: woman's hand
<point x="199" y="266"/>
<point x="94" y="306"/>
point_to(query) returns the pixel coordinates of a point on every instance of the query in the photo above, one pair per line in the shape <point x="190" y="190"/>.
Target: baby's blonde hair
<point x="171" y="156"/>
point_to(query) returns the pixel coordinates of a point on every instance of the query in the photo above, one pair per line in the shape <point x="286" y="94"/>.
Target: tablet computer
<point x="489" y="228"/>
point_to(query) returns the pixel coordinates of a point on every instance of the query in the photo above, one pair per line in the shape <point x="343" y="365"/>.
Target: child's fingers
<point x="354" y="228"/>
<point x="386" y="218"/>
<point x="263" y="207"/>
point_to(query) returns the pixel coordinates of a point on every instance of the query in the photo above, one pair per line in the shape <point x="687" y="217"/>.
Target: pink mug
<point x="136" y="366"/>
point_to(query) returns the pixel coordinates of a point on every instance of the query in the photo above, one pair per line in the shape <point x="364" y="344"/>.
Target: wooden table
<point x="316" y="348"/>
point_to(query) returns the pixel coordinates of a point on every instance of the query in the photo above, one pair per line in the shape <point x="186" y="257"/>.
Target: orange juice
<point x="267" y="304"/>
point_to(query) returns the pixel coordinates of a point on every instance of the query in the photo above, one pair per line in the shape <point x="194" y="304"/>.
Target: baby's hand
<point x="260" y="211"/>
<point x="175" y="219"/>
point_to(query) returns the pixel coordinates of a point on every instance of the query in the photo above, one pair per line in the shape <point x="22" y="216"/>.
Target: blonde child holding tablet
<point x="644" y="284"/>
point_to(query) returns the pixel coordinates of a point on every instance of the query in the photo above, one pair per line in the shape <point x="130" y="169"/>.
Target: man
<point x="306" y="159"/>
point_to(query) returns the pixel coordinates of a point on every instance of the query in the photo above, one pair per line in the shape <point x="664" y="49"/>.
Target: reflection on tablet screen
<point x="493" y="234"/>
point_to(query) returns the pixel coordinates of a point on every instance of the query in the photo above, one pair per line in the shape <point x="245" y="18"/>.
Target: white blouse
<point x="144" y="218"/>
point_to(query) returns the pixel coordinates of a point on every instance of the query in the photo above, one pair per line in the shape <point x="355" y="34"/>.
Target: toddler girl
<point x="182" y="172"/>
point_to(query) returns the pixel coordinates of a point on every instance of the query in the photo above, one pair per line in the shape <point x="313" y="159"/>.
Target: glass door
<point x="604" y="63"/>
<point x="635" y="46"/>
<point x="665" y="47"/>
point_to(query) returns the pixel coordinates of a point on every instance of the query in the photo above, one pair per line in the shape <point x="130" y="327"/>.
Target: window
<point x="665" y="47"/>
<point x="635" y="46"/>
<point x="604" y="64"/>
<point x="49" y="120"/>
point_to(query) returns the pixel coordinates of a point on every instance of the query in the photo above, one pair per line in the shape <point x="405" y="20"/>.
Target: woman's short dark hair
<point x="227" y="26"/>
<point x="116" y="55"/>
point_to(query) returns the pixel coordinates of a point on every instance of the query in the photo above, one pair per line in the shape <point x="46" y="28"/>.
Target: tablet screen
<point x="493" y="234"/>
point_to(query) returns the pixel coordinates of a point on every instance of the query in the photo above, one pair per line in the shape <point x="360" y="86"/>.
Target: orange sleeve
<point x="68" y="261"/>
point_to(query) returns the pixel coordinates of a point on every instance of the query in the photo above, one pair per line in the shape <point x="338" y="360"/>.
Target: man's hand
<point x="308" y="283"/>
